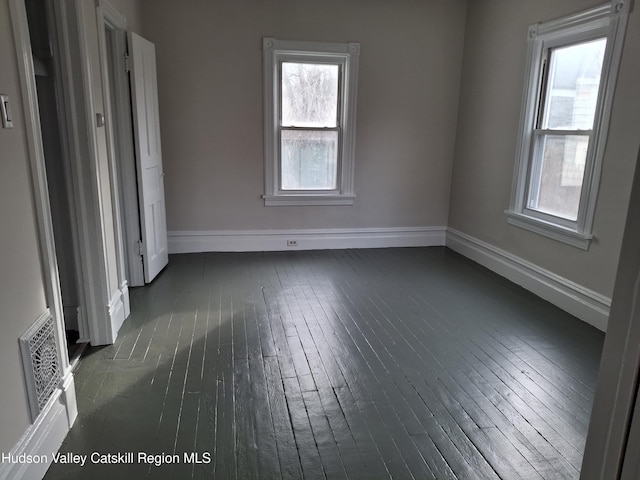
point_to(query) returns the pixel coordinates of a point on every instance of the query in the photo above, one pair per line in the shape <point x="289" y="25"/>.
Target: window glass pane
<point x="309" y="94"/>
<point x="557" y="174"/>
<point x="309" y="159"/>
<point x="572" y="85"/>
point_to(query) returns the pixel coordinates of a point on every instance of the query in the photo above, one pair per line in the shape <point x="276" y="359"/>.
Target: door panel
<point x="144" y="96"/>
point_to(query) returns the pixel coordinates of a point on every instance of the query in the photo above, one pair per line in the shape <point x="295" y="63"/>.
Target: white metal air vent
<point x="41" y="362"/>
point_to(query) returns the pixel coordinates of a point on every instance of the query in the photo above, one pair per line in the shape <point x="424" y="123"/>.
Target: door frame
<point x="40" y="189"/>
<point x="107" y="297"/>
<point x="66" y="392"/>
<point x="119" y="129"/>
<point x="59" y="74"/>
<point x="112" y="155"/>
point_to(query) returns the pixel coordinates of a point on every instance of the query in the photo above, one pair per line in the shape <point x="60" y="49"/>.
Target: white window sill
<point x="307" y="199"/>
<point x="550" y="230"/>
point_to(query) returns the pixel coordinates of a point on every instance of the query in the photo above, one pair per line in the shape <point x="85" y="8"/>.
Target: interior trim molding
<point x="44" y="437"/>
<point x="116" y="310"/>
<point x="589" y="306"/>
<point x="306" y="239"/>
<point x="550" y="230"/>
<point x="40" y="189"/>
<point x="124" y="290"/>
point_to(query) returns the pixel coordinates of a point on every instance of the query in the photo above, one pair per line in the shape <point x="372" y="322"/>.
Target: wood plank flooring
<point x="360" y="364"/>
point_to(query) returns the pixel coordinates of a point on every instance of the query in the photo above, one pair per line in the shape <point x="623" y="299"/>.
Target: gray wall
<point x="130" y="9"/>
<point x="22" y="298"/>
<point x="490" y="101"/>
<point x="209" y="57"/>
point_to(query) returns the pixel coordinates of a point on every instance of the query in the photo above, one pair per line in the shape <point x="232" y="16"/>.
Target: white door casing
<point x="113" y="42"/>
<point x="146" y="124"/>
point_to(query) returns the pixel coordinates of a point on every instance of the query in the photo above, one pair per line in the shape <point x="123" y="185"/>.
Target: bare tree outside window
<point x="309" y="121"/>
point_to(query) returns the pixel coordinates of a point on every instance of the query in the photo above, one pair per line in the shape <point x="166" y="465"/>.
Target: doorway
<point x="60" y="195"/>
<point x="133" y="138"/>
<point x="120" y="132"/>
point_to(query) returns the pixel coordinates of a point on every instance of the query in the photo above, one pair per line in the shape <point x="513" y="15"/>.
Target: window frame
<point x="346" y="55"/>
<point x="605" y="21"/>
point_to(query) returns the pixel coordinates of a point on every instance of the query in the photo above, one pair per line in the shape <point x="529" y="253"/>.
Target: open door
<point x="146" y="125"/>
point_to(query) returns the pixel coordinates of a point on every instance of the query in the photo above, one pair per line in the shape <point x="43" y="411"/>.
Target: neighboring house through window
<point x="572" y="66"/>
<point x="310" y="100"/>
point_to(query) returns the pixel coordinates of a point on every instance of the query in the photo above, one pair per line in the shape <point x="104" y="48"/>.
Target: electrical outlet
<point x="292" y="243"/>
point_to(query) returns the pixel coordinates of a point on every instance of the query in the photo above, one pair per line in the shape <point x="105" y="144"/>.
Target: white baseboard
<point x="587" y="305"/>
<point x="124" y="289"/>
<point x="44" y="437"/>
<point x="116" y="309"/>
<point x="309" y="239"/>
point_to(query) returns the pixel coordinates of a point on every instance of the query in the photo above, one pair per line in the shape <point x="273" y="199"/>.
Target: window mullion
<point x="545" y="131"/>
<point x="309" y="129"/>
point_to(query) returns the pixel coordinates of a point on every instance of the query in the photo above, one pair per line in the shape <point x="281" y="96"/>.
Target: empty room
<point x="344" y="239"/>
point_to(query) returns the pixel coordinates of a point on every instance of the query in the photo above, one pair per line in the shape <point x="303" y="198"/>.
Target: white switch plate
<point x="7" y="118"/>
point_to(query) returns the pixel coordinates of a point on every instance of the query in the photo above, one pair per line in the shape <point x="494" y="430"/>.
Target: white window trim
<point x="348" y="55"/>
<point x="608" y="20"/>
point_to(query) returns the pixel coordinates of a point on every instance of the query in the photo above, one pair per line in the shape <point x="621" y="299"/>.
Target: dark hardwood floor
<point x="361" y="364"/>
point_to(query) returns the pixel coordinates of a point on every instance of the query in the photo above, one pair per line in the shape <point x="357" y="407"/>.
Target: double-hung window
<point x="572" y="65"/>
<point x="310" y="101"/>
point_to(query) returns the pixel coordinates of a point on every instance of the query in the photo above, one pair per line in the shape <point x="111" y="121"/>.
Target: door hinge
<point x="139" y="245"/>
<point x="127" y="65"/>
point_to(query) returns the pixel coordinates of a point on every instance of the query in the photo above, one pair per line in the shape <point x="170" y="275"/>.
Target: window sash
<point x="336" y="178"/>
<point x="539" y="135"/>
<point x="547" y="76"/>
<point x="534" y="177"/>
<point x="339" y="103"/>
<point x="293" y="127"/>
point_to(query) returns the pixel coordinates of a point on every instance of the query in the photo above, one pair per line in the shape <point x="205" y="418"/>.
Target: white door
<point x="146" y="125"/>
